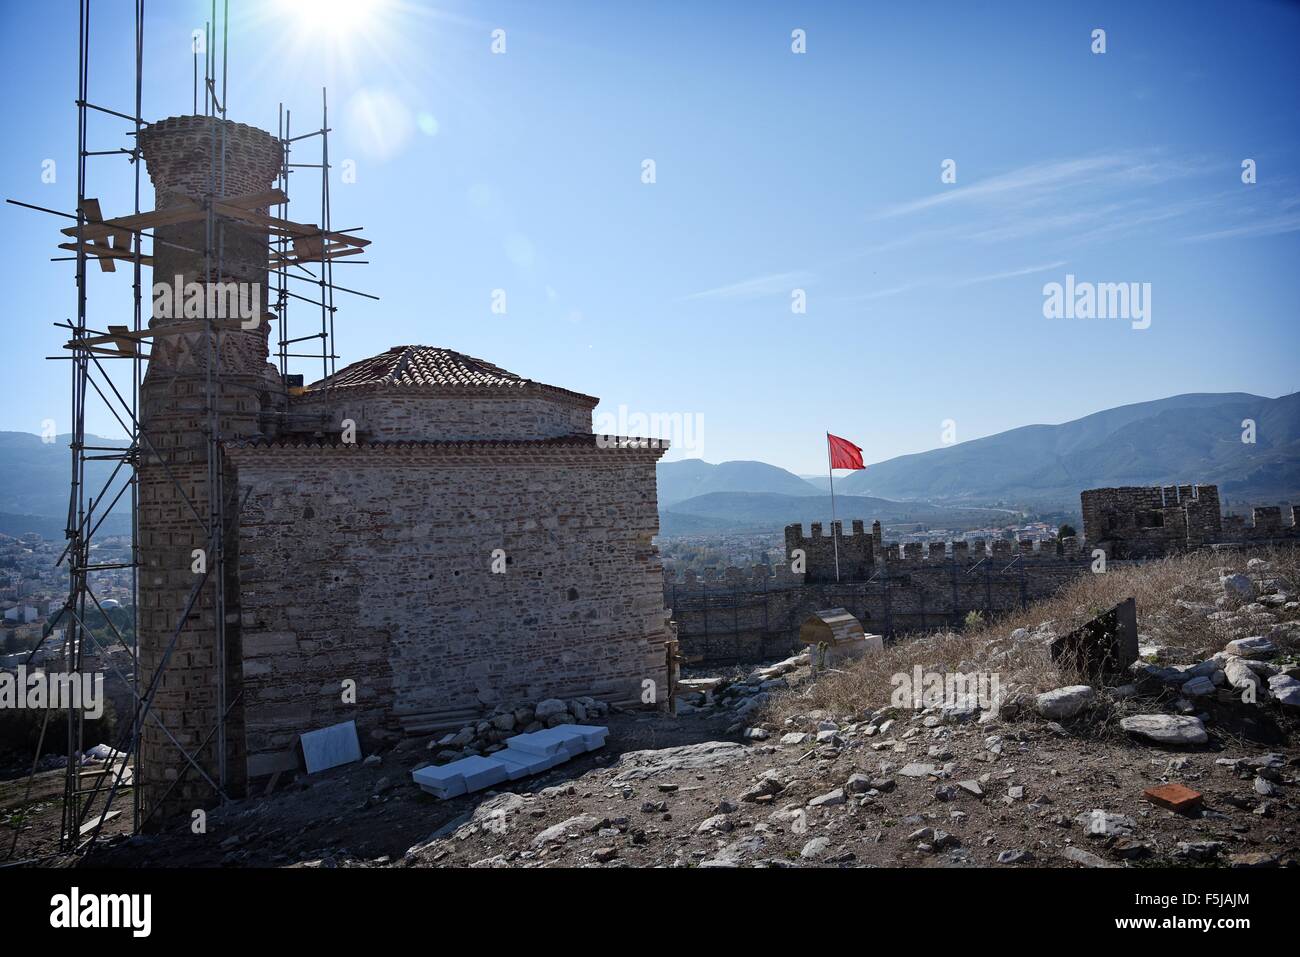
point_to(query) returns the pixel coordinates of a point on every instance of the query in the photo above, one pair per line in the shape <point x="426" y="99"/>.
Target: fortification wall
<point x="744" y="615"/>
<point x="1154" y="521"/>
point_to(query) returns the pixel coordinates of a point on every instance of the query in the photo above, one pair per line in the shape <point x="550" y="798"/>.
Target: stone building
<point x="410" y="542"/>
<point x="476" y="546"/>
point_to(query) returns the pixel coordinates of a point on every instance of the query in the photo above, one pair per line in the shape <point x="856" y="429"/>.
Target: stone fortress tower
<point x="184" y="156"/>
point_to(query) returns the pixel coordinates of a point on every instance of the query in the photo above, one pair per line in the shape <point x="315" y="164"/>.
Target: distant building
<point x="22" y="614"/>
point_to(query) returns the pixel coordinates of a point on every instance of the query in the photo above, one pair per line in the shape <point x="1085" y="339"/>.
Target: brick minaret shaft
<point x="174" y="416"/>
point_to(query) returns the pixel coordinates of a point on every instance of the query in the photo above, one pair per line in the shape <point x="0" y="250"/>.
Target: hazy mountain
<point x="769" y="511"/>
<point x="688" y="478"/>
<point x="1185" y="438"/>
<point x="35" y="477"/>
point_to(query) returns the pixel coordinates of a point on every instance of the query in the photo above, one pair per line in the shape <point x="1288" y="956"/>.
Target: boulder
<point x="1198" y="687"/>
<point x="1239" y="587"/>
<point x="1286" y="690"/>
<point x="1064" y="703"/>
<point x="1257" y="647"/>
<point x="1166" y="728"/>
<point x="549" y="708"/>
<point x="1241" y="676"/>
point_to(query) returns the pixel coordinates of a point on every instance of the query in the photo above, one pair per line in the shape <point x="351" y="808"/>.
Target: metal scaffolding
<point x="291" y="248"/>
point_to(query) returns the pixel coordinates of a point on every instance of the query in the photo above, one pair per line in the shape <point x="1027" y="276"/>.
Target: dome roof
<point x="432" y="367"/>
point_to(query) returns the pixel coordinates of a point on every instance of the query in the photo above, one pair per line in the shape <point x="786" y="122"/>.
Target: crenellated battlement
<point x="861" y="554"/>
<point x="1157" y="520"/>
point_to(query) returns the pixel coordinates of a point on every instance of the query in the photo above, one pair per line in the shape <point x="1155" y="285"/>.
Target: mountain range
<point x="1196" y="437"/>
<point x="1193" y="438"/>
<point x="34" y="481"/>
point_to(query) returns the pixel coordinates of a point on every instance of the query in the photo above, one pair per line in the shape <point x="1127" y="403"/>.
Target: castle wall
<point x="1154" y="521"/>
<point x="751" y="615"/>
<point x="373" y="563"/>
<point x="399" y="414"/>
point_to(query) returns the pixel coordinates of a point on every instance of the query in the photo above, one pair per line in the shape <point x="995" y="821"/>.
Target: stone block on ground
<point x="330" y="747"/>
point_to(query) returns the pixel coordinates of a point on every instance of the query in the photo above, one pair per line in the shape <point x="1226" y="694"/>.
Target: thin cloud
<point x="1268" y="227"/>
<point x="936" y="282"/>
<point x="1029" y="182"/>
<point x="1012" y="274"/>
<point x="755" y="288"/>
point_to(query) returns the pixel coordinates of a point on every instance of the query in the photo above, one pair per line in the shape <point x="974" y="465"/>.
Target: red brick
<point x="1175" y="797"/>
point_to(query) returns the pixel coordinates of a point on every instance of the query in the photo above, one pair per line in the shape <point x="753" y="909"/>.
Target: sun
<point x="336" y="18"/>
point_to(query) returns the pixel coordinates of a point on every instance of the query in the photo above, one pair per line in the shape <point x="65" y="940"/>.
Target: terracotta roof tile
<point x="430" y="367"/>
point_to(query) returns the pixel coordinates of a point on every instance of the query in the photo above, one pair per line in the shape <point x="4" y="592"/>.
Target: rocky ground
<point x="757" y="771"/>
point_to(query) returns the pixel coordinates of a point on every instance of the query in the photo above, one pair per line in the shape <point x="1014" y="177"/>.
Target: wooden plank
<point x="270" y="197"/>
<point x="90" y="209"/>
<point x="291" y="260"/>
<point x="108" y="253"/>
<point x="171" y="216"/>
<point x="91" y="825"/>
<point x="171" y="329"/>
<point x="126" y="344"/>
<point x="286" y="225"/>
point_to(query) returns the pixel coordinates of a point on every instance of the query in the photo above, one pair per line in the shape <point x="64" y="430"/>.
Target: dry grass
<point x="1026" y="665"/>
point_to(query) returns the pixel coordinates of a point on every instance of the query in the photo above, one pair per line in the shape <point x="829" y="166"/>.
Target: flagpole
<point x="835" y="539"/>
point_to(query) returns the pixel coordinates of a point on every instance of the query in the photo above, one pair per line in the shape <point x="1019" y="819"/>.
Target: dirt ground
<point x="781" y="770"/>
<point x="358" y="816"/>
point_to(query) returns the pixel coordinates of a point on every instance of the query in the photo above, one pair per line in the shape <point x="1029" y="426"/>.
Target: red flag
<point x="844" y="454"/>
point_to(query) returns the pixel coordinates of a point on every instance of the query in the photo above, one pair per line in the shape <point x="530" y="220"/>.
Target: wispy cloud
<point x="1032" y="184"/>
<point x="1274" y="226"/>
<point x="948" y="282"/>
<point x="1011" y="274"/>
<point x="757" y="287"/>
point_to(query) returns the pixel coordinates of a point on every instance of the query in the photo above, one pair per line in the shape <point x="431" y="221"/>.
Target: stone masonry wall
<point x="374" y="563"/>
<point x="409" y="414"/>
<point x="746" y="616"/>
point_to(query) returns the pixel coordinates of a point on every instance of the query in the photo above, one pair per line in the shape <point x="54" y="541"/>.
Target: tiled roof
<point x="430" y="367"/>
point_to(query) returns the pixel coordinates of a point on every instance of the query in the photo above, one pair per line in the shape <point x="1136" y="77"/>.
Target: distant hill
<point x="1185" y="438"/>
<point x="34" y="480"/>
<point x="771" y="512"/>
<point x="689" y="478"/>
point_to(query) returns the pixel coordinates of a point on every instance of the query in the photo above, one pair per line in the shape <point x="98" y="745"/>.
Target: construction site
<point x="390" y="606"/>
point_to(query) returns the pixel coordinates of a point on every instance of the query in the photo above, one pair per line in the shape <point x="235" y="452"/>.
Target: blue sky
<point x="774" y="171"/>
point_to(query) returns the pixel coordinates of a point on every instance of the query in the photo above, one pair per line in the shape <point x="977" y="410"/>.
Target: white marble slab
<point x="555" y="740"/>
<point x="330" y="747"/>
<point x="540" y="751"/>
<point x="442" y="782"/>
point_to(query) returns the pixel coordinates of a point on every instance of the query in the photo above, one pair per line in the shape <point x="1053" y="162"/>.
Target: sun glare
<point x="338" y="18"/>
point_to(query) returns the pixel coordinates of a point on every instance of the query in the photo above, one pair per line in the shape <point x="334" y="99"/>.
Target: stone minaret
<point x="174" y="417"/>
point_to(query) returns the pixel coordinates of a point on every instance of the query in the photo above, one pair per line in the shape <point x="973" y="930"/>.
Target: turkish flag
<point x="844" y="454"/>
